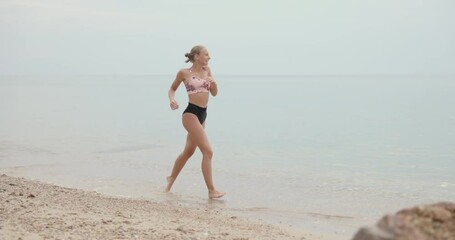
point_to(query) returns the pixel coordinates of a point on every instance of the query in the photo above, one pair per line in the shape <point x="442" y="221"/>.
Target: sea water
<point x="322" y="153"/>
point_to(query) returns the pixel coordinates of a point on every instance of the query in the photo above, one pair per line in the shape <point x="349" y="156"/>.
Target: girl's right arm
<point x="178" y="79"/>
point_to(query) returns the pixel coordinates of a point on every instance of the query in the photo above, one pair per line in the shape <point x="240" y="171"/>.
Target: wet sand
<point x="35" y="210"/>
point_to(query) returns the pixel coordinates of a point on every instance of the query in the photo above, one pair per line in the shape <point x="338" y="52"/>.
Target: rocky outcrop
<point x="426" y="222"/>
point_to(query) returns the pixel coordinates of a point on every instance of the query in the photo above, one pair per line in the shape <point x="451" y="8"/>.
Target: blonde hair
<point x="194" y="51"/>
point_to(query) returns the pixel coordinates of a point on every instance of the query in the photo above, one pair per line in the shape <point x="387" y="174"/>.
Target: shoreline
<point x="35" y="210"/>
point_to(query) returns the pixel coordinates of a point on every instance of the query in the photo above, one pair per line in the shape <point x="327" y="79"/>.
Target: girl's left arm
<point x="213" y="84"/>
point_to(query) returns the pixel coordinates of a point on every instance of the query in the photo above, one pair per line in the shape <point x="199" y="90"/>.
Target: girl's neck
<point x="197" y="68"/>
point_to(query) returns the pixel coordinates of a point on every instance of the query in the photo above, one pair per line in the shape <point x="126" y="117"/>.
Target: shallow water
<point x="320" y="153"/>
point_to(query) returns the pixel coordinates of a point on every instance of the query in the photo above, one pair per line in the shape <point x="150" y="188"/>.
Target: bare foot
<point x="215" y="194"/>
<point x="170" y="181"/>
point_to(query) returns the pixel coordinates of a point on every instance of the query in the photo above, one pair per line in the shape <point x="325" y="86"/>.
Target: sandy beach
<point x="35" y="210"/>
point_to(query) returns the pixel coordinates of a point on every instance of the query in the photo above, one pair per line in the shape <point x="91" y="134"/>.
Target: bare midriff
<point x="200" y="99"/>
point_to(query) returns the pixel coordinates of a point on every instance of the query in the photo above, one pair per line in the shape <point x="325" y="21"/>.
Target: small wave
<point x="292" y="211"/>
<point x="129" y="148"/>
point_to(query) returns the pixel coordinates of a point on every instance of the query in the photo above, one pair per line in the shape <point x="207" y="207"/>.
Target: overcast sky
<point x="243" y="37"/>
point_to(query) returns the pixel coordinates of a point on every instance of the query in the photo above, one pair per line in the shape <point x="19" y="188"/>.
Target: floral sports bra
<point x="197" y="85"/>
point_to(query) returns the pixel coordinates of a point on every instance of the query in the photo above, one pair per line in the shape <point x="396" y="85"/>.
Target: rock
<point x="373" y="233"/>
<point x="181" y="229"/>
<point x="106" y="221"/>
<point x="426" y="222"/>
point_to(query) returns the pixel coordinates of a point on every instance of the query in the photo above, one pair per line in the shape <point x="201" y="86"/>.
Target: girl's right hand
<point x="174" y="105"/>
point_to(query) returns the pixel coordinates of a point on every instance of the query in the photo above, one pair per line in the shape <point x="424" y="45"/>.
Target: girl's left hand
<point x="212" y="81"/>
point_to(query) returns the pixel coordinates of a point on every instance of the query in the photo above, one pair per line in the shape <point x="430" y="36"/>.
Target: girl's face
<point x="203" y="57"/>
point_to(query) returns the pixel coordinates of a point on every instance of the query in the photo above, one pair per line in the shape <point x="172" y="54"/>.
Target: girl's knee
<point x="208" y="153"/>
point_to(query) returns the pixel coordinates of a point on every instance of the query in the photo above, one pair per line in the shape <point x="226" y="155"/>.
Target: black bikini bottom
<point x="200" y="112"/>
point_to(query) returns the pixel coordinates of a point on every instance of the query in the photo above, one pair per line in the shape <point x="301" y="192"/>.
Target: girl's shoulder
<point x="183" y="73"/>
<point x="207" y="69"/>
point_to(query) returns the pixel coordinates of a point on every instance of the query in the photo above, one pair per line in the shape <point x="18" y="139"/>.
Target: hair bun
<point x="187" y="55"/>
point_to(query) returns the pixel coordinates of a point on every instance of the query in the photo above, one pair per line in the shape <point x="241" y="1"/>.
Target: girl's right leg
<point x="180" y="162"/>
<point x="198" y="136"/>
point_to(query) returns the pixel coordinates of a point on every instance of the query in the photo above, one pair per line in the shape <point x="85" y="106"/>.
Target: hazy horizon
<point x="291" y="37"/>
